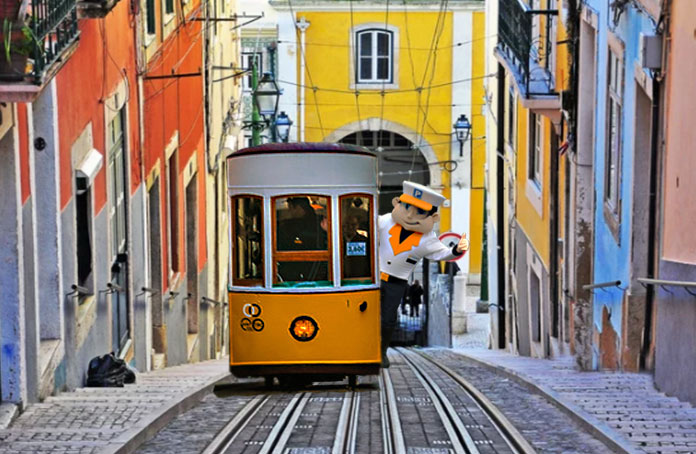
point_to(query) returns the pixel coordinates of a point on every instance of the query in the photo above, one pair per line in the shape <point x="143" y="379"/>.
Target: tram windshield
<point x="301" y="241"/>
<point x="356" y="240"/>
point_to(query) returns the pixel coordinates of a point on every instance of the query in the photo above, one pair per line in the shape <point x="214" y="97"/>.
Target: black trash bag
<point x="108" y="371"/>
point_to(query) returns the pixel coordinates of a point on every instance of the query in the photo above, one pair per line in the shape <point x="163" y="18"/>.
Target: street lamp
<point x="462" y="128"/>
<point x="282" y="124"/>
<point x="266" y="96"/>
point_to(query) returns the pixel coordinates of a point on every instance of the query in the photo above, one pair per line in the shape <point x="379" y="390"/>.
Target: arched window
<point x="374" y="56"/>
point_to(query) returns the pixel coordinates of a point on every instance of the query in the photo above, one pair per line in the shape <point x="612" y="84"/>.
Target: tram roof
<point x="304" y="147"/>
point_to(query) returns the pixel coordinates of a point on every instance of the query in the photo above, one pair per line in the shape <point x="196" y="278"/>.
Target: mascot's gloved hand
<point x="463" y="244"/>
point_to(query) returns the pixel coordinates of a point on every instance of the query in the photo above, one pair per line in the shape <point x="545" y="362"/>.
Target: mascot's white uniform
<point x="406" y="237"/>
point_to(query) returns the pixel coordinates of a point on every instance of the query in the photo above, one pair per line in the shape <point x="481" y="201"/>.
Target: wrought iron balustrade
<point x="47" y="33"/>
<point x="527" y="49"/>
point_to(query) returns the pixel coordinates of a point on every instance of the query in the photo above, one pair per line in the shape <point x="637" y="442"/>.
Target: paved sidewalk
<point x="111" y="420"/>
<point x="624" y="410"/>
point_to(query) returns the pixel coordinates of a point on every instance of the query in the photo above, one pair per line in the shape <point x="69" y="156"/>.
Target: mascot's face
<point x="412" y="218"/>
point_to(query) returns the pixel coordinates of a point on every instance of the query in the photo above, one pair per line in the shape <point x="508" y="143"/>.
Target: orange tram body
<point x="304" y="288"/>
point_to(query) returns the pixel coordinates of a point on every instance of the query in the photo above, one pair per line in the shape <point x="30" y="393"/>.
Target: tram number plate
<point x="356" y="249"/>
<point x="320" y="450"/>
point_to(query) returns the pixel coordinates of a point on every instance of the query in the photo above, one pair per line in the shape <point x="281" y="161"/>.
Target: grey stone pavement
<point x="624" y="410"/>
<point x="111" y="420"/>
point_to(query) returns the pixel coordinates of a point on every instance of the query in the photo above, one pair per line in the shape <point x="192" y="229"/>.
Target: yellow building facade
<point x="527" y="172"/>
<point x="394" y="78"/>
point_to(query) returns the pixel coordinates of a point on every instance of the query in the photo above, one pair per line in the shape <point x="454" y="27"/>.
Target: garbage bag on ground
<point x="108" y="371"/>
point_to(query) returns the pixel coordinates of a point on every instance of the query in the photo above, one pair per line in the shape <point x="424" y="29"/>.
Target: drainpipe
<point x="661" y="28"/>
<point x="302" y="25"/>
<point x="500" y="208"/>
<point x="652" y="220"/>
<point x="139" y="69"/>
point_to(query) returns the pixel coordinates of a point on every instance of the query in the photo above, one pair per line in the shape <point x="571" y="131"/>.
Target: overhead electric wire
<point x="390" y="91"/>
<point x="457" y="44"/>
<point x="439" y="29"/>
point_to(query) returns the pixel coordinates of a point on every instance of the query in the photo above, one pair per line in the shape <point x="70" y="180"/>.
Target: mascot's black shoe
<point x="385" y="361"/>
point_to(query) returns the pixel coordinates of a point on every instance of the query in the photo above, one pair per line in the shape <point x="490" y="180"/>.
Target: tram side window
<point x="248" y="231"/>
<point x="301" y="254"/>
<point x="356" y="240"/>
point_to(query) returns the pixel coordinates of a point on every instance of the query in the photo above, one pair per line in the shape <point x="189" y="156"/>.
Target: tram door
<point x="117" y="222"/>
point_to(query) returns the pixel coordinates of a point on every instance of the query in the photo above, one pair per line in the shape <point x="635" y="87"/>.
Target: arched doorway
<point x="398" y="160"/>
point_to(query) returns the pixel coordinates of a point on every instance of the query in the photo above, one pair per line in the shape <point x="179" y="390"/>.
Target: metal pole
<point x="271" y="58"/>
<point x="255" y="116"/>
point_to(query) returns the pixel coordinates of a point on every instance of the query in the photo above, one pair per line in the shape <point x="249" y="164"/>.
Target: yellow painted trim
<point x="172" y="145"/>
<point x="191" y="168"/>
<point x="154" y="173"/>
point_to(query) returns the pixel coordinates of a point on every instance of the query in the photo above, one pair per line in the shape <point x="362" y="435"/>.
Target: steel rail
<point x="346" y="433"/>
<point x="462" y="442"/>
<point x="394" y="436"/>
<point x="384" y="418"/>
<point x="229" y="433"/>
<point x="508" y="431"/>
<point x="278" y="438"/>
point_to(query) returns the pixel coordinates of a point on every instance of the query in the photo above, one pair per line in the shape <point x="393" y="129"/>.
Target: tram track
<point x="452" y="417"/>
<point x="424" y="363"/>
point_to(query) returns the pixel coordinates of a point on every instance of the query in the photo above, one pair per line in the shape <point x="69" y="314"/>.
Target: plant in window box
<point x="20" y="43"/>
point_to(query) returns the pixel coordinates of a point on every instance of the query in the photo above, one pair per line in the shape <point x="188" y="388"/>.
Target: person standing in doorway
<point x="415" y="292"/>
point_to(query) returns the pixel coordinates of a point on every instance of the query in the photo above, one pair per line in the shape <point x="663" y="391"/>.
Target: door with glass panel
<point x="117" y="181"/>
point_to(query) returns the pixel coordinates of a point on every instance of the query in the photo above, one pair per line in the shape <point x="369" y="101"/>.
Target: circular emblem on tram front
<point x="304" y="328"/>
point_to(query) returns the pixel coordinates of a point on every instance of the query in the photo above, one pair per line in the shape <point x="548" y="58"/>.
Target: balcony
<point x="35" y="46"/>
<point x="95" y="9"/>
<point x="526" y="48"/>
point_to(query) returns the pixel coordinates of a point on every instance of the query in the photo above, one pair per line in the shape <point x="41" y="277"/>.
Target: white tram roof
<point x="302" y="165"/>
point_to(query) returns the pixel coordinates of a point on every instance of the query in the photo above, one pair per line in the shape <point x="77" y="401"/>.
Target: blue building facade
<point x="622" y="175"/>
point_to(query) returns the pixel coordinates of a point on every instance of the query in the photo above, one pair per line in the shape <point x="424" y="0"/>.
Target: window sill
<point x="374" y="86"/>
<point x="534" y="194"/>
<point x="612" y="219"/>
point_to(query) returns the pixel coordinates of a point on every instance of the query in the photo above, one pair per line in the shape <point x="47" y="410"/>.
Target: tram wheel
<point x="352" y="381"/>
<point x="268" y="381"/>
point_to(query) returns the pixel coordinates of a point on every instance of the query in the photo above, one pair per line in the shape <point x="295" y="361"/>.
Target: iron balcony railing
<point x="47" y="33"/>
<point x="527" y="48"/>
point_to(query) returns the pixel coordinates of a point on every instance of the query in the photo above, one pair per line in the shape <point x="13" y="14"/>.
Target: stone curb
<point x="134" y="437"/>
<point x="593" y="425"/>
<point x="7" y="414"/>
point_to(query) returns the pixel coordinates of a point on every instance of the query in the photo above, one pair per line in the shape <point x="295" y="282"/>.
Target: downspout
<point x="139" y="70"/>
<point x="662" y="28"/>
<point x="302" y="25"/>
<point x="207" y="88"/>
<point x="553" y="233"/>
<point x="500" y="208"/>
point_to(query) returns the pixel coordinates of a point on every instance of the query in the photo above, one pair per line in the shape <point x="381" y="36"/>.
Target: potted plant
<point x="20" y="44"/>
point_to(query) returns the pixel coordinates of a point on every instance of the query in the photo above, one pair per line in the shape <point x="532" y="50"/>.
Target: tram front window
<point x="301" y="241"/>
<point x="356" y="240"/>
<point x="248" y="222"/>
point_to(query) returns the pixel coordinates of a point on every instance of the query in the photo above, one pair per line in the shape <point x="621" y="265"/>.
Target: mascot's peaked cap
<point x="421" y="196"/>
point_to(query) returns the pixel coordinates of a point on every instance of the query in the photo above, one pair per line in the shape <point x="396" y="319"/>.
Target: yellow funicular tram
<point x="304" y="290"/>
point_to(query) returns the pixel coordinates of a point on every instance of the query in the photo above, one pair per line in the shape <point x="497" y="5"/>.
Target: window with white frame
<point x="612" y="174"/>
<point x="535" y="149"/>
<point x="511" y="118"/>
<point x="248" y="62"/>
<point x="374" y="56"/>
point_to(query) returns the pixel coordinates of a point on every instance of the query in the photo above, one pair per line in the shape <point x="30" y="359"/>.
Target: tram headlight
<point x="304" y="328"/>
